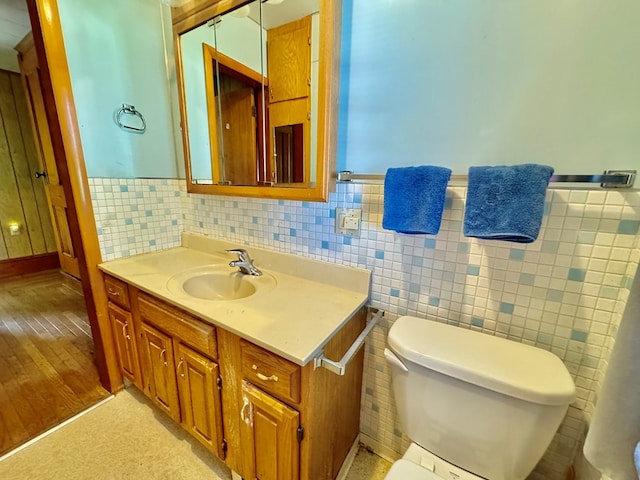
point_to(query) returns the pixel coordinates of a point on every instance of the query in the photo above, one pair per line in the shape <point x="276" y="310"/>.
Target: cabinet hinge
<point x="300" y="433"/>
<point x="219" y="382"/>
<point x="254" y="111"/>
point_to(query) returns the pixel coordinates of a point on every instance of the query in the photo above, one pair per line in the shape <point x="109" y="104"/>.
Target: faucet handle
<point x="241" y="252"/>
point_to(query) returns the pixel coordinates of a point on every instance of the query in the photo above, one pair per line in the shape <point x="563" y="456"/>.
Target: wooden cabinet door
<point x="272" y="430"/>
<point x="160" y="373"/>
<point x="126" y="345"/>
<point x="289" y="54"/>
<point x="47" y="157"/>
<point x="200" y="398"/>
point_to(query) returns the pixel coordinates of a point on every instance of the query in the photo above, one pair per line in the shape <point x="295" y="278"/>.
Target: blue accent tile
<point x="368" y="391"/>
<point x="152" y="242"/>
<point x="577" y="274"/>
<point x="549" y="246"/>
<point x="380" y="254"/>
<point x="579" y="335"/>
<point x="448" y="202"/>
<point x="547" y="208"/>
<point x="176" y="194"/>
<point x="544" y="338"/>
<point x="394" y="292"/>
<point x="276" y="236"/>
<point x="152" y="188"/>
<point x="332" y="213"/>
<point x="318" y="220"/>
<point x="434" y="301"/>
<point x="216" y="221"/>
<point x="124" y="188"/>
<point x="516" y="254"/>
<point x="429" y="243"/>
<point x="280" y="202"/>
<point x="448" y="276"/>
<point x="473" y="270"/>
<point x="293" y="232"/>
<point x="201" y="224"/>
<point x="254" y="220"/>
<point x="148" y="213"/>
<point x="99" y="231"/>
<point x="174" y="222"/>
<point x="346" y="240"/>
<point x="325" y="244"/>
<point x="628" y="227"/>
<point x="506" y="307"/>
<point x="527" y="279"/>
<point x="555" y="295"/>
<point x="417" y="261"/>
<point x="287" y="217"/>
<point x="235" y="204"/>
<point x="306" y="205"/>
<point x="108" y="250"/>
<point x="463" y="247"/>
<point x="415" y="287"/>
<point x="232" y="229"/>
<point x="477" y="322"/>
<point x="128" y="221"/>
<point x="357" y="198"/>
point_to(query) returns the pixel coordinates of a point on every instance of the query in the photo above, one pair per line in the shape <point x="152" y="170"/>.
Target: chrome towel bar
<point x="609" y="179"/>
<point x="340" y="367"/>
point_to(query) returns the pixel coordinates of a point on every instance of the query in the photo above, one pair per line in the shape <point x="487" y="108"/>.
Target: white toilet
<point x="476" y="406"/>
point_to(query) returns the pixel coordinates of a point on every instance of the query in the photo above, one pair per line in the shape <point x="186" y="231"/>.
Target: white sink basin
<point x="219" y="283"/>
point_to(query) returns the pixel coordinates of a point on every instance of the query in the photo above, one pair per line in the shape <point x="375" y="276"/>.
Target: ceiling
<point x="14" y="25"/>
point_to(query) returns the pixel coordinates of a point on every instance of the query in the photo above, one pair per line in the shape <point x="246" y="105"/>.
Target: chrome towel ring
<point x="130" y="110"/>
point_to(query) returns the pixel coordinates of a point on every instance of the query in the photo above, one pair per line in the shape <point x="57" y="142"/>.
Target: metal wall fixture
<point x="127" y="109"/>
<point x="340" y="367"/>
<point x="609" y="179"/>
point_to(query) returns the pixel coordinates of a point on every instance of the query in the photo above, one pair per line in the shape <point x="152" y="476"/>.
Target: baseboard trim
<point x="379" y="449"/>
<point x="348" y="461"/>
<point x="15" y="267"/>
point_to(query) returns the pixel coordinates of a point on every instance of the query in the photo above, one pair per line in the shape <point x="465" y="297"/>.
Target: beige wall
<point x="22" y="196"/>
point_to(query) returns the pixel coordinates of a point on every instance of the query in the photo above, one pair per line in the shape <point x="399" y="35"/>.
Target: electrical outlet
<point x="348" y="221"/>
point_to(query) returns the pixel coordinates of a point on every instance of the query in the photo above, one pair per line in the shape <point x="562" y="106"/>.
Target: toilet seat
<point x="406" y="470"/>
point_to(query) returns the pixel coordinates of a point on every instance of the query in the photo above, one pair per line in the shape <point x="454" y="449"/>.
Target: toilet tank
<point x="488" y="405"/>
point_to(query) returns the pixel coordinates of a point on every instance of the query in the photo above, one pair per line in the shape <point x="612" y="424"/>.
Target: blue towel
<point x="637" y="458"/>
<point x="414" y="199"/>
<point x="506" y="203"/>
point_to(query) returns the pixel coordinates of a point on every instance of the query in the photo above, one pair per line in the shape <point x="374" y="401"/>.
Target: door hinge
<point x="224" y="448"/>
<point x="254" y="111"/>
<point x="300" y="433"/>
<point x="219" y="382"/>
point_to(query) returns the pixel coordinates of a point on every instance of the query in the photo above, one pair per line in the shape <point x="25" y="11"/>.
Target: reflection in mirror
<point x="223" y="56"/>
<point x="259" y="96"/>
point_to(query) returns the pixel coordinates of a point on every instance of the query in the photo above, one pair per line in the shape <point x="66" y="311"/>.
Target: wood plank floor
<point x="47" y="374"/>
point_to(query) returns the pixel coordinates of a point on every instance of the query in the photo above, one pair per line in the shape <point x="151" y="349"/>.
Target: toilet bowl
<point x="475" y="406"/>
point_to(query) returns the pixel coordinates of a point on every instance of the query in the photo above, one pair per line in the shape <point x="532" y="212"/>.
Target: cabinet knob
<point x="163" y="359"/>
<point x="180" y="367"/>
<point x="248" y="419"/>
<point x="113" y="292"/>
<point x="124" y="331"/>
<point x="40" y="174"/>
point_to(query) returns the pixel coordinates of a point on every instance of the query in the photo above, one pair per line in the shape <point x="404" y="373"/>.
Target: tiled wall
<point x="565" y="292"/>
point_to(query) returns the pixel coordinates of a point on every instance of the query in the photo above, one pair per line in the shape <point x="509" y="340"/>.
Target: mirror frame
<point x="194" y="13"/>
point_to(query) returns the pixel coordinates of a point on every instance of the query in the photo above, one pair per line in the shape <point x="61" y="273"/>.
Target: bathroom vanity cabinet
<point x="266" y="416"/>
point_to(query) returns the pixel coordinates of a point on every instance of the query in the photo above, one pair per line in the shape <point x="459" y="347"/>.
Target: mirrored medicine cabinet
<point x="258" y="91"/>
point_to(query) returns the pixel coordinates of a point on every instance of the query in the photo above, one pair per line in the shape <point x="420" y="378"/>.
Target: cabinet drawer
<point x="271" y="372"/>
<point x="117" y="291"/>
<point x="179" y="324"/>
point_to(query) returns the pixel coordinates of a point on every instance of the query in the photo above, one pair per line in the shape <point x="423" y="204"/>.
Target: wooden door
<point x="200" y="398"/>
<point x="272" y="428"/>
<point x="125" y="342"/>
<point x="44" y="146"/>
<point x="159" y="371"/>
<point x="289" y="60"/>
<point x="239" y="136"/>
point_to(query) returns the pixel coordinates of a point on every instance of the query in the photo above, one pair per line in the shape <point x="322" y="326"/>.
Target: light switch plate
<point x="348" y="221"/>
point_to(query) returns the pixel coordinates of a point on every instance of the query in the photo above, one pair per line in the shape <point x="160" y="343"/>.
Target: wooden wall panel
<point x="21" y="199"/>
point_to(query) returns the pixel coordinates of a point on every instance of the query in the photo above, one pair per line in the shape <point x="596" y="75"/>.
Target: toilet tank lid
<point x="495" y="363"/>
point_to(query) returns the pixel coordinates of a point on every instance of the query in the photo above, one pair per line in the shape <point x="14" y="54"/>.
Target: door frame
<point x="65" y="135"/>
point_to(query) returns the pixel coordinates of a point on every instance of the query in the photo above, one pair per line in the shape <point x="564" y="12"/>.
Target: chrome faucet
<point x="244" y="262"/>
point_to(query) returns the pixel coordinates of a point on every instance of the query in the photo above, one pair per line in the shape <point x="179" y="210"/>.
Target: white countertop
<point x="311" y="301"/>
